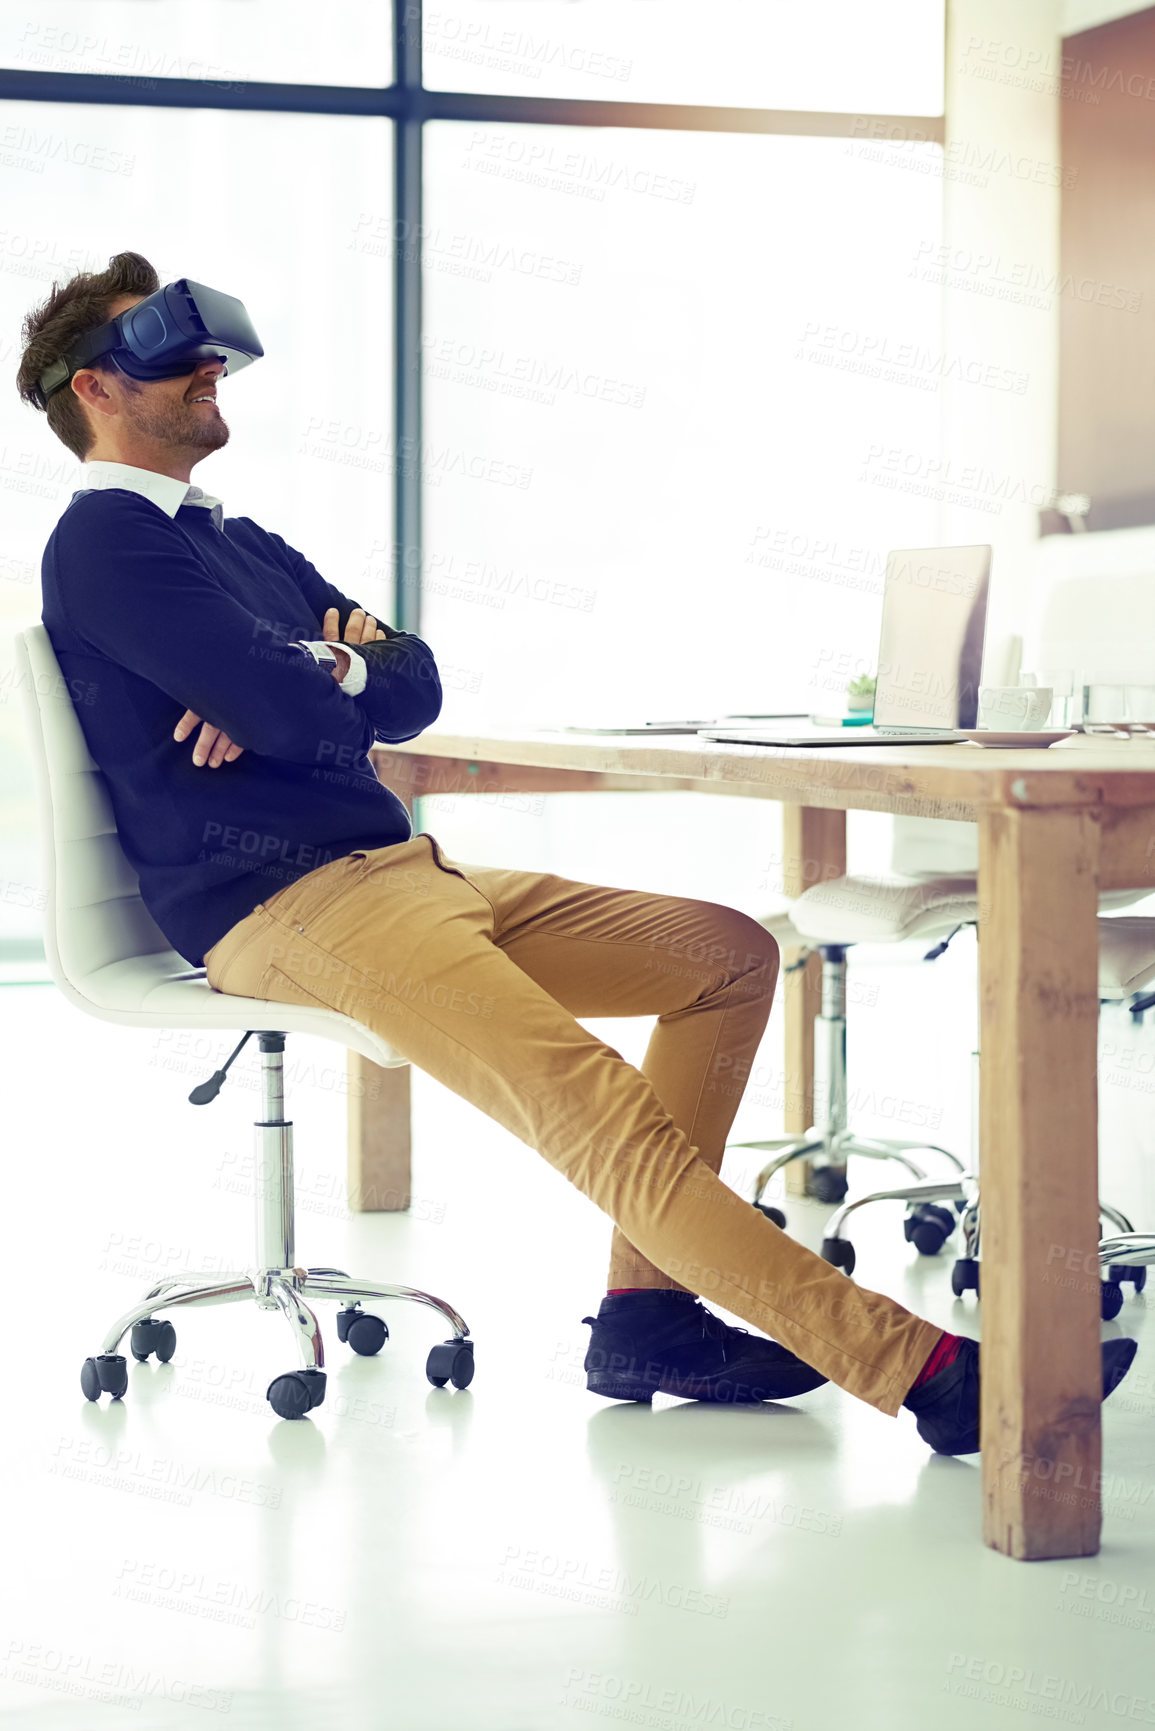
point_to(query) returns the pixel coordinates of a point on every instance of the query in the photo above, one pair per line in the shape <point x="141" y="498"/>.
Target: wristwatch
<point x="321" y="653"/>
<point x="356" y="675"/>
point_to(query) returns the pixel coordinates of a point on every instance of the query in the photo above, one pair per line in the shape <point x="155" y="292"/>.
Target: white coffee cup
<point x="1014" y="708"/>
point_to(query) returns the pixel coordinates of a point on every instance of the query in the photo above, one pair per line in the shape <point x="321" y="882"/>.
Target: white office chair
<point x="890" y="910"/>
<point x="830" y="918"/>
<point x="108" y="957"/>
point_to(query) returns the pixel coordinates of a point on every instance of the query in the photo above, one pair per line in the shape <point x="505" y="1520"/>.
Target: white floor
<point x="519" y="1556"/>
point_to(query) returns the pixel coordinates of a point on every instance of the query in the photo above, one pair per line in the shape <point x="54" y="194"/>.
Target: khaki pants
<point x="477" y="975"/>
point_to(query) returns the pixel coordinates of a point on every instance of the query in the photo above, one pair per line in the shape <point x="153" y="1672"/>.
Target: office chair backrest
<point x="93" y="913"/>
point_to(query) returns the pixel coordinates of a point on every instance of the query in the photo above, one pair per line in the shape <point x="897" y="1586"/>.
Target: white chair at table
<point x="109" y="959"/>
<point x="914" y="901"/>
<point x="829" y="918"/>
<point x="862" y="911"/>
<point x="1126" y="971"/>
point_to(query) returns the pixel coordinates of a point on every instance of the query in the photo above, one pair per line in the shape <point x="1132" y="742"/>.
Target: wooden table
<point x="1055" y="828"/>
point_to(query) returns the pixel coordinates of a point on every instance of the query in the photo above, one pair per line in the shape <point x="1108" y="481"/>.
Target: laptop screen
<point x="930" y="650"/>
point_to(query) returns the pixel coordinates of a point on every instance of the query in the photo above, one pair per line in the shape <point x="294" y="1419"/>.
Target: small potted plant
<point x="860" y="694"/>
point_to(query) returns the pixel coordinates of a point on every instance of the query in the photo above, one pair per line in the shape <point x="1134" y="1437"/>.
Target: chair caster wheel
<point x="364" y="1333"/>
<point x="105" y="1374"/>
<point x="1137" y="1275"/>
<point x="452" y="1361"/>
<point x="152" y="1336"/>
<point x="928" y="1227"/>
<point x="296" y="1393"/>
<point x="772" y="1213"/>
<point x="1110" y="1300"/>
<point x="964" y="1276"/>
<point x="829" y="1183"/>
<point x="840" y="1253"/>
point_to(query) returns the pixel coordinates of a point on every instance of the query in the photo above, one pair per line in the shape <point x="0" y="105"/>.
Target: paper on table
<point x="651" y="727"/>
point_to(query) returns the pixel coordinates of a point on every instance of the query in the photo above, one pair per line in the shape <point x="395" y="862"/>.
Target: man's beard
<point x="180" y="424"/>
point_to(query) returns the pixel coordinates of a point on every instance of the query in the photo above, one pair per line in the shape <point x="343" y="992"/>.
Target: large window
<point x="279" y="208"/>
<point x="220" y="41"/>
<point x="655" y="405"/>
<point x="590" y="338"/>
<point x="885" y="57"/>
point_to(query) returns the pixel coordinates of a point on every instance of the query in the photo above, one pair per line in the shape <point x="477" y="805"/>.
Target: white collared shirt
<point x="170" y="495"/>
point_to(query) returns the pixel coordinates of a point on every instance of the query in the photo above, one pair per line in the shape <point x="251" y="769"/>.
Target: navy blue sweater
<point x="151" y="615"/>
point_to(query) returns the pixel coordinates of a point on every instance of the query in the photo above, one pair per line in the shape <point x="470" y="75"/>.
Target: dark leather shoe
<point x="667" y="1342"/>
<point x="948" y="1405"/>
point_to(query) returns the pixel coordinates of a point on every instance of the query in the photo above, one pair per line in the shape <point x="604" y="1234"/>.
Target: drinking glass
<point x="1067" y="698"/>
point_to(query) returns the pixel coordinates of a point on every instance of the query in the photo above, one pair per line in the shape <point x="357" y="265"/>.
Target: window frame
<point x="409" y="104"/>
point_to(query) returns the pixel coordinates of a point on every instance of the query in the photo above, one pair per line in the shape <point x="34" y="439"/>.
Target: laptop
<point x="930" y="656"/>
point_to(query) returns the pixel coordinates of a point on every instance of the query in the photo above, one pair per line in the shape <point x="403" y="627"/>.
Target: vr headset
<point x="168" y="334"/>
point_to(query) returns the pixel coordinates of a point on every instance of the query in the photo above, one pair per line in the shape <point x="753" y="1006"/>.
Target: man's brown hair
<point x="50" y="330"/>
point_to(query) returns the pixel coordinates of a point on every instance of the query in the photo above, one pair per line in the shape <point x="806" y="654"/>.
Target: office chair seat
<point x="110" y="959"/>
<point x="889" y="909"/>
<point x="1126" y="955"/>
<point x="104" y="950"/>
<point x="161" y="990"/>
<point x="884" y="909"/>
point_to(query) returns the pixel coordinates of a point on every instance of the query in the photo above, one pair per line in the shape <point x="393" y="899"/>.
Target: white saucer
<point x="1014" y="741"/>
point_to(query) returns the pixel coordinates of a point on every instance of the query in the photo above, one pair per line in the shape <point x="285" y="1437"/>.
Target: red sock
<point x="944" y="1353"/>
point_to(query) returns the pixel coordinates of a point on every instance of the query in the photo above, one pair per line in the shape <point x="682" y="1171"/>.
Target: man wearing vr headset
<point x="268" y="849"/>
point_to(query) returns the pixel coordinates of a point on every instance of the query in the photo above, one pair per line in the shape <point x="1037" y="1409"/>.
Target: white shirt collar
<point x="163" y="490"/>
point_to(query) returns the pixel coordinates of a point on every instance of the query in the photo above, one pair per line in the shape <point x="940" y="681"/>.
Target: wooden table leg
<point x="380" y="1143"/>
<point x="813" y="850"/>
<point x="1041" y="1382"/>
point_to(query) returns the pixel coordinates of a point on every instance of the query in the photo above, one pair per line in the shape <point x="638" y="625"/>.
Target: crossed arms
<point x="213" y="745"/>
<point x="132" y="585"/>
